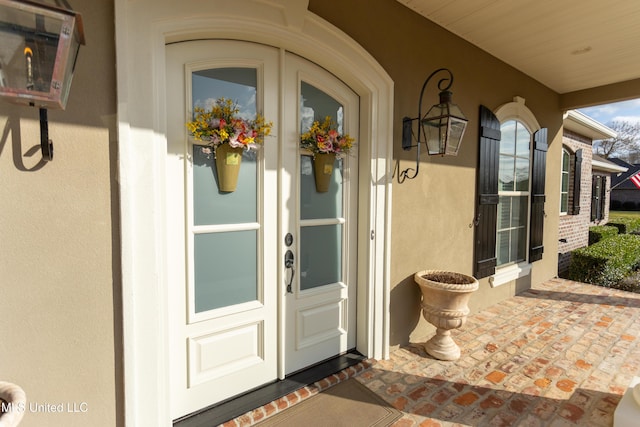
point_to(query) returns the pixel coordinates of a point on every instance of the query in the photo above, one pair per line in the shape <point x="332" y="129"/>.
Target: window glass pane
<point x="519" y="246"/>
<point x="508" y="138"/>
<point x="565" y="161"/>
<point x="314" y="205"/>
<point x="521" y="211"/>
<point x="225" y="269"/>
<point x="522" y="174"/>
<point x="564" y="203"/>
<point x="565" y="182"/>
<point x="237" y="84"/>
<point x="505" y="176"/>
<point x="315" y="105"/>
<point x="320" y="255"/>
<point x="210" y="206"/>
<point x="523" y="141"/>
<point x="502" y="246"/>
<point x="504" y="212"/>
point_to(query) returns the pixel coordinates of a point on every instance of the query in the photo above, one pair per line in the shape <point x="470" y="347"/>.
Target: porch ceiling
<point x="569" y="45"/>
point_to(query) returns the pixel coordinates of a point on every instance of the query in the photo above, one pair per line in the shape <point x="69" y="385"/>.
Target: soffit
<point x="567" y="45"/>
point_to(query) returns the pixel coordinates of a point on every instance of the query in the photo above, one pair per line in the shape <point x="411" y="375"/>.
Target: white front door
<point x="235" y="324"/>
<point x="320" y="305"/>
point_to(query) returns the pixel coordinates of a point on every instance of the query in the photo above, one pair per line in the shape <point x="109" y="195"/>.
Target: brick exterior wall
<point x="575" y="228"/>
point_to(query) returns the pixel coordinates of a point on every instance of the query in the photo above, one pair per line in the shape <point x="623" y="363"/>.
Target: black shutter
<point x="595" y="193"/>
<point x="577" y="180"/>
<point x="487" y="191"/>
<point x="539" y="168"/>
<point x="603" y="197"/>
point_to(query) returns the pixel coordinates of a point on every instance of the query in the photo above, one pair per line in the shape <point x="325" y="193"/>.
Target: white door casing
<point x="144" y="27"/>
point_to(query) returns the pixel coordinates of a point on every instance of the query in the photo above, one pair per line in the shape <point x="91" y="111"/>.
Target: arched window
<point x="513" y="191"/>
<point x="511" y="180"/>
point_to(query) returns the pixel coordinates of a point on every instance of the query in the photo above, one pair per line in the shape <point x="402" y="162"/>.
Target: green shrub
<point x="601" y="232"/>
<point x="625" y="225"/>
<point x="607" y="262"/>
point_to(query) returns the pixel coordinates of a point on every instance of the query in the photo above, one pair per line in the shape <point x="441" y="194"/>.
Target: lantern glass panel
<point x="456" y="132"/>
<point x="38" y="52"/>
<point x="435" y="127"/>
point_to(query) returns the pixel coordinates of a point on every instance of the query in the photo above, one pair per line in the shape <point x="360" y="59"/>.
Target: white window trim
<point x="509" y="273"/>
<point x="516" y="110"/>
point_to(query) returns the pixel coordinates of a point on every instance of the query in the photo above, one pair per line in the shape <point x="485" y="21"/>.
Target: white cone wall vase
<point x="445" y="295"/>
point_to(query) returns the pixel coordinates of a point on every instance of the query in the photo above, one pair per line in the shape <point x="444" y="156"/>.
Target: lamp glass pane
<point x="456" y="112"/>
<point x="29" y="45"/>
<point x="435" y="125"/>
<point x="436" y="135"/>
<point x="456" y="132"/>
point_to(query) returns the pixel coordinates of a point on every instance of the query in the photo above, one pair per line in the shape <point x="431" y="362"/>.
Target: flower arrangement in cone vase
<point x="223" y="125"/>
<point x="324" y="138"/>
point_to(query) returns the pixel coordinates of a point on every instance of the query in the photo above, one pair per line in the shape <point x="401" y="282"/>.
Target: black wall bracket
<point x="46" y="145"/>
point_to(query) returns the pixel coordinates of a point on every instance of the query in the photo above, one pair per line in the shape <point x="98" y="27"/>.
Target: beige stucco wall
<point x="60" y="271"/>
<point x="432" y="213"/>
<point x="59" y="268"/>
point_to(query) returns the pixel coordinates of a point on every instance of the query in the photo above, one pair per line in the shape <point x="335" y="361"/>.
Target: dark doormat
<point x="348" y="403"/>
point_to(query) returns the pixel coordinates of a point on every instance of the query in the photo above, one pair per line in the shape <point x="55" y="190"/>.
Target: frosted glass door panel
<point x="226" y="225"/>
<point x="320" y="236"/>
<point x="314" y="205"/>
<point x="320" y="256"/>
<point x="237" y="84"/>
<point x="315" y="105"/>
<point x="225" y="269"/>
<point x="210" y="206"/>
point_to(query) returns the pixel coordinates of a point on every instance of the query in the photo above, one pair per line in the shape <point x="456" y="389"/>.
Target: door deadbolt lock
<point x="288" y="239"/>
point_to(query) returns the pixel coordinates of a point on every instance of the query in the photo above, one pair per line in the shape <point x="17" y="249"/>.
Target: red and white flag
<point x="636" y="180"/>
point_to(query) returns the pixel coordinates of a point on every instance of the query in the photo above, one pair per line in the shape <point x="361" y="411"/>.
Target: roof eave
<point x="582" y="124"/>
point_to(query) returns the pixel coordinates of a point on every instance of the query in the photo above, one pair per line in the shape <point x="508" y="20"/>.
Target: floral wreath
<point x="324" y="138"/>
<point x="222" y="125"/>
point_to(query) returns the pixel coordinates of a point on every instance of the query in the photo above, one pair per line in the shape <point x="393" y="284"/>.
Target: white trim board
<point x="143" y="29"/>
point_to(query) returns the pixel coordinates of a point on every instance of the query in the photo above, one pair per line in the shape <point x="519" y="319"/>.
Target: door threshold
<point x="236" y="406"/>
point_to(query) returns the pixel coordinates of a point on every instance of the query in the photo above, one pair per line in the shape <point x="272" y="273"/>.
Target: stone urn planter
<point x="445" y="295"/>
<point x="13" y="403"/>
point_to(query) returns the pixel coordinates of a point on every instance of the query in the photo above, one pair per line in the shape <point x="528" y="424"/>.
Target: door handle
<point x="289" y="264"/>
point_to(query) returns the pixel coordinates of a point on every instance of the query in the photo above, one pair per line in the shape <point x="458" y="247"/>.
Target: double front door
<point x="262" y="280"/>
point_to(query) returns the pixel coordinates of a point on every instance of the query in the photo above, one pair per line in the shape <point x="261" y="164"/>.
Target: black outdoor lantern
<point x="38" y="50"/>
<point x="441" y="128"/>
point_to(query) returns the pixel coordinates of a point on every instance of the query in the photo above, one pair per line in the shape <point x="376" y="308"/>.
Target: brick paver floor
<point x="561" y="354"/>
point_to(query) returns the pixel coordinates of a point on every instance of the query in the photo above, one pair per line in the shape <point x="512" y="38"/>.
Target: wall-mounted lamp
<point x="441" y="128"/>
<point x="40" y="44"/>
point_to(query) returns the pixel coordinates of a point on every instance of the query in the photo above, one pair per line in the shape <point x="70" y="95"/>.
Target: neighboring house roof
<point x="622" y="181"/>
<point x="584" y="125"/>
<point x="603" y="165"/>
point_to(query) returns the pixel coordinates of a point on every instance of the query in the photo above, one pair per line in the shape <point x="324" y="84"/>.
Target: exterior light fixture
<point x="441" y="128"/>
<point x="40" y="44"/>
